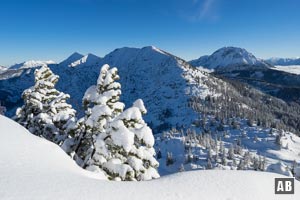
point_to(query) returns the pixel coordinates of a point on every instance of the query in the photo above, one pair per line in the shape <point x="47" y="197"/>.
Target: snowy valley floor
<point x="33" y="168"/>
<point x="293" y="69"/>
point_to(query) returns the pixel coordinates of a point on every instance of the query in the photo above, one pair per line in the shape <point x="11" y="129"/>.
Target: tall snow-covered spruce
<point x="45" y="111"/>
<point x="101" y="104"/>
<point x="116" y="141"/>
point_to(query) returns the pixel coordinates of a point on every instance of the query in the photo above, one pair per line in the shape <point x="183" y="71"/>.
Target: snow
<point x="96" y="112"/>
<point x="131" y="113"/>
<point x="174" y="143"/>
<point x="2" y="69"/>
<point x="205" y="69"/>
<point x="121" y="135"/>
<point x="293" y="69"/>
<point x="145" y="134"/>
<point x="227" y="58"/>
<point x="87" y="60"/>
<point x="157" y="49"/>
<point x="31" y="64"/>
<point x="72" y="58"/>
<point x="92" y="95"/>
<point x="33" y="168"/>
<point x="116" y="166"/>
<point x="279" y="168"/>
<point x="140" y="105"/>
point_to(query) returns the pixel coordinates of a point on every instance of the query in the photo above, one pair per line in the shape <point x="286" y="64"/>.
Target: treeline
<point x="239" y="100"/>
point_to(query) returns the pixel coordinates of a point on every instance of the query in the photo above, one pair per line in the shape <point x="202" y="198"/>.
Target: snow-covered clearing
<point x="33" y="168"/>
<point x="256" y="140"/>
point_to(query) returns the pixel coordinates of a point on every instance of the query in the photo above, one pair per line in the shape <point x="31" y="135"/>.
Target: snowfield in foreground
<point x="33" y="168"/>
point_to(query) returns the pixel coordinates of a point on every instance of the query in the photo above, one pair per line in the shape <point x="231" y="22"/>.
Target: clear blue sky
<point x="53" y="29"/>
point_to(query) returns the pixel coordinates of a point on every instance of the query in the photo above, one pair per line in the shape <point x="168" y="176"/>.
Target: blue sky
<point x="53" y="29"/>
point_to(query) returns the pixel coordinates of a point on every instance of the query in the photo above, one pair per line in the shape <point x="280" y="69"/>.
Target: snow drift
<point x="33" y="168"/>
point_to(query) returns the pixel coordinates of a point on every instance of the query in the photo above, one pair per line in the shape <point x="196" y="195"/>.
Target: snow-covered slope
<point x="284" y="61"/>
<point x="228" y="58"/>
<point x="87" y="60"/>
<point x="32" y="168"/>
<point x="31" y="64"/>
<point x="293" y="69"/>
<point x="256" y="140"/>
<point x="72" y="58"/>
<point x="164" y="82"/>
<point x="2" y="69"/>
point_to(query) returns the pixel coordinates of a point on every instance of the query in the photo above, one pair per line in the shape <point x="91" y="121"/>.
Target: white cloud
<point x="199" y="10"/>
<point x="206" y="9"/>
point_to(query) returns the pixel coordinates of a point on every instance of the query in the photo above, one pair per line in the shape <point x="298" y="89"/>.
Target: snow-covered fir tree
<point x="116" y="141"/>
<point x="46" y="112"/>
<point x="131" y="141"/>
<point x="101" y="103"/>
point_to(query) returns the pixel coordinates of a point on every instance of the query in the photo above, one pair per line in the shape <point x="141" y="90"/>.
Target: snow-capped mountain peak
<point x="31" y="64"/>
<point x="153" y="48"/>
<point x="229" y="57"/>
<point x="72" y="58"/>
<point x="87" y="60"/>
<point x="2" y="68"/>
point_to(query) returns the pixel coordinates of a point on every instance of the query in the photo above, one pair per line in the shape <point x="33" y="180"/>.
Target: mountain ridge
<point x="229" y="58"/>
<point x="31" y="64"/>
<point x="167" y="84"/>
<point x="159" y="78"/>
<point x="72" y="58"/>
<point x="89" y="59"/>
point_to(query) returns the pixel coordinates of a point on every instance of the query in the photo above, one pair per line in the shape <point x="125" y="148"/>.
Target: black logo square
<point x="284" y="186"/>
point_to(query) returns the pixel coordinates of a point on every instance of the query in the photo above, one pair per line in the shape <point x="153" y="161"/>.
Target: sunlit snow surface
<point x="256" y="140"/>
<point x="33" y="168"/>
<point x="293" y="69"/>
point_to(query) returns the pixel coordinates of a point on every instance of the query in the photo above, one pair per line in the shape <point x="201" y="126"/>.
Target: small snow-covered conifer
<point x="170" y="159"/>
<point x="181" y="168"/>
<point x="209" y="164"/>
<point x="2" y="109"/>
<point x="241" y="165"/>
<point x="45" y="111"/>
<point x="255" y="163"/>
<point x="278" y="140"/>
<point x="231" y="152"/>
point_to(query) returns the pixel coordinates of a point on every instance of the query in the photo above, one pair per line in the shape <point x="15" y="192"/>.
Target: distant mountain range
<point x="284" y="61"/>
<point x="165" y="82"/>
<point x="31" y="64"/>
